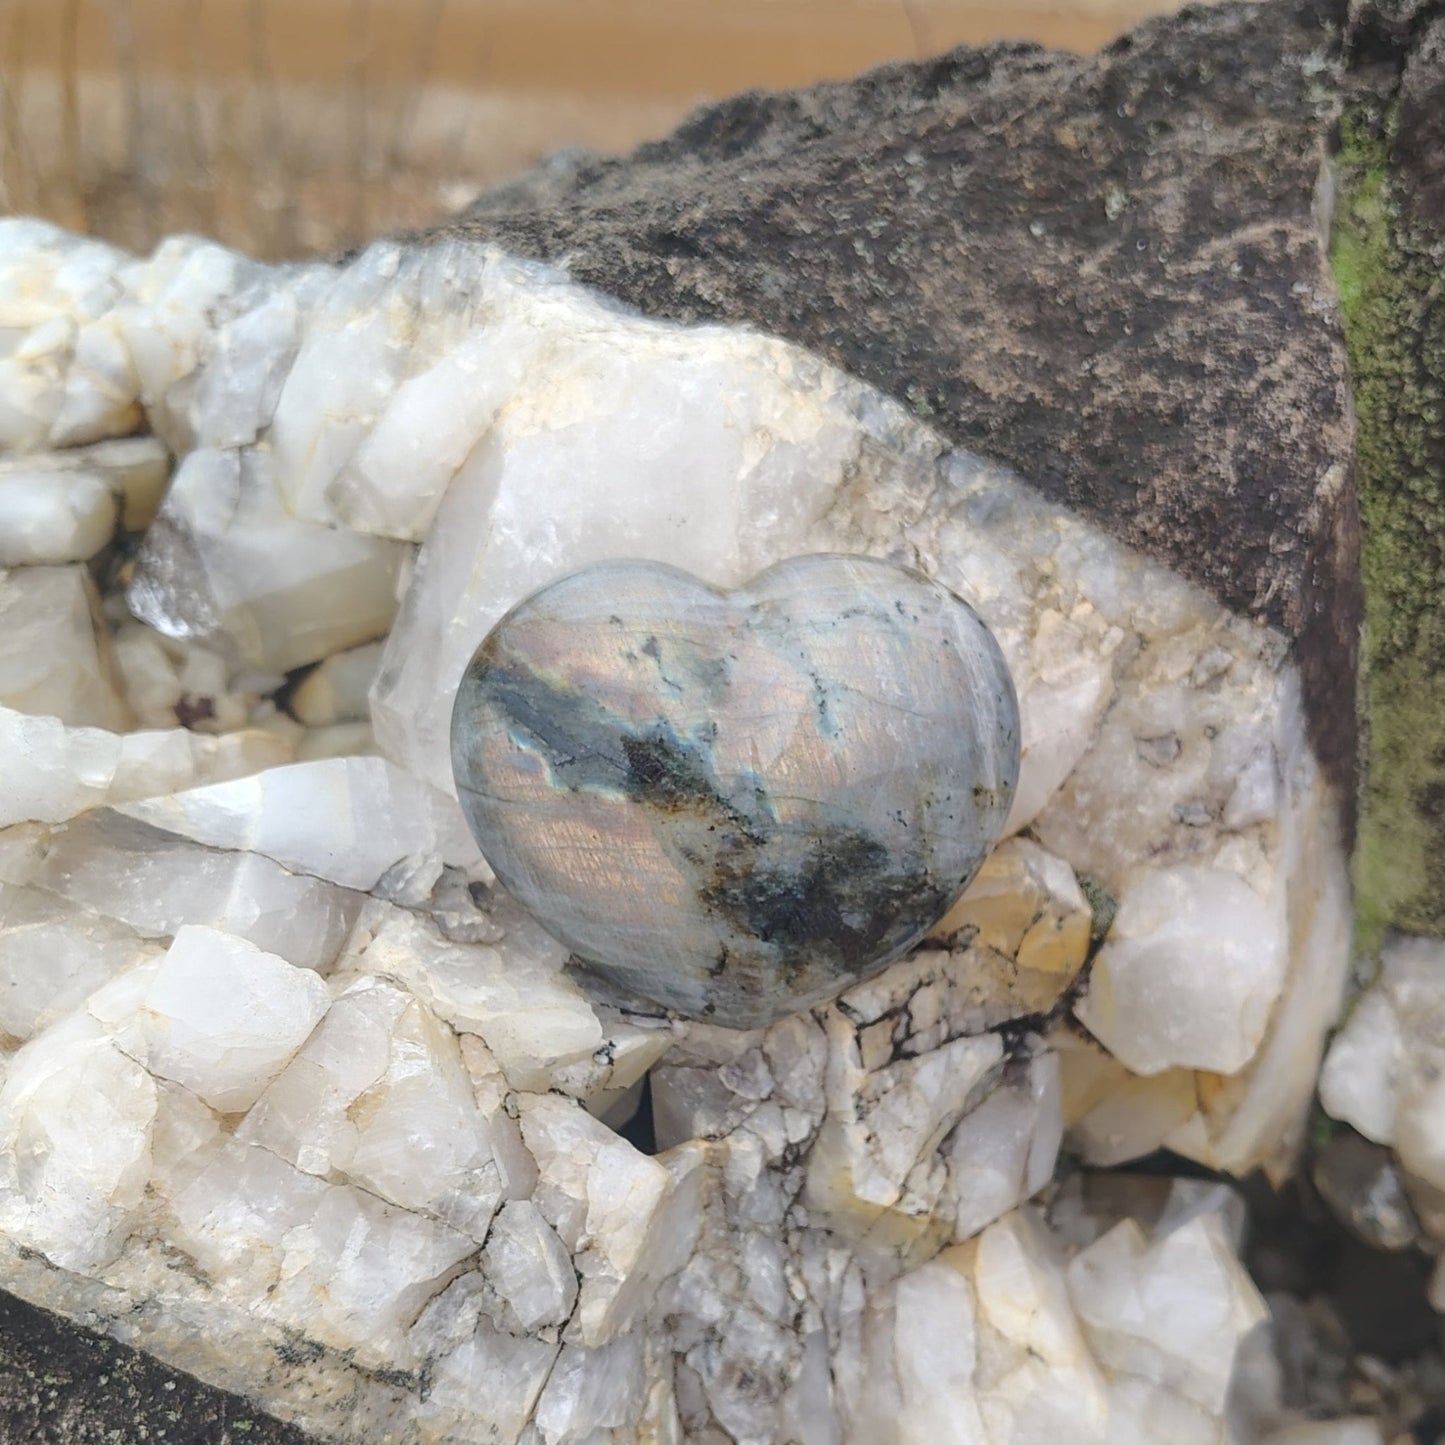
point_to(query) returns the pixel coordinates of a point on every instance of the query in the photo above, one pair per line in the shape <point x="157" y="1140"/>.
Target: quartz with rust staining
<point x="738" y="804"/>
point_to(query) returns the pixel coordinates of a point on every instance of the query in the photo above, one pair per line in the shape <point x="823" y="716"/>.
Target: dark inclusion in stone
<point x="738" y="804"/>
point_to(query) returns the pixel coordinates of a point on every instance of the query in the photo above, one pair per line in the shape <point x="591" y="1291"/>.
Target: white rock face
<point x="55" y="658"/>
<point x="157" y="884"/>
<point x="53" y="955"/>
<point x="76" y="1115"/>
<point x="282" y="1064"/>
<point x="68" y="770"/>
<point x="221" y="1018"/>
<point x="1149" y="1001"/>
<point x="1383" y="1063"/>
<point x="990" y="1341"/>
<point x="1384" y="1072"/>
<point x="1172" y="1311"/>
<point x="379" y="1075"/>
<point x="66" y="506"/>
<point x="348" y="820"/>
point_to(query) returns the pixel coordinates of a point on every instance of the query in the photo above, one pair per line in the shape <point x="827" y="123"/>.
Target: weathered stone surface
<point x="738" y="804"/>
<point x="324" y="1253"/>
<point x="1109" y="272"/>
<point x="73" y="1386"/>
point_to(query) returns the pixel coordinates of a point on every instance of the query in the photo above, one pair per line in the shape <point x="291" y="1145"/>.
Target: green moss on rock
<point x="1391" y="289"/>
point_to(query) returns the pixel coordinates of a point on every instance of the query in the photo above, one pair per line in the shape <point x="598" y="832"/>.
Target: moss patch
<point x="1394" y="314"/>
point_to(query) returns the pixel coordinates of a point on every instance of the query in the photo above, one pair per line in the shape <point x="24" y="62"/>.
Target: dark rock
<point x="1109" y="272"/>
<point x="63" y="1385"/>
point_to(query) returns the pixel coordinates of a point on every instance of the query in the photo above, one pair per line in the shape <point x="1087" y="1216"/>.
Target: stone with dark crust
<point x="1109" y="272"/>
<point x="1193" y="401"/>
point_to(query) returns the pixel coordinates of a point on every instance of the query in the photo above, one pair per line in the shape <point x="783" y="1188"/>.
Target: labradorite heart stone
<point x="737" y="803"/>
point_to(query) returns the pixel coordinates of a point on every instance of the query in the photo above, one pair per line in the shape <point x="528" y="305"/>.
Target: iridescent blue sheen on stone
<point x="738" y="804"/>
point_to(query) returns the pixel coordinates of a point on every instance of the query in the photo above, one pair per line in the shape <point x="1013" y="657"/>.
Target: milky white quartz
<point x="1384" y="1069"/>
<point x="226" y="563"/>
<point x="1151" y="1004"/>
<point x="221" y="1017"/>
<point x="53" y="955"/>
<point x="53" y="771"/>
<point x="1172" y="1310"/>
<point x="66" y="506"/>
<point x="156" y="884"/>
<point x="348" y="820"/>
<point x="55" y="658"/>
<point x="992" y="1341"/>
<point x="1381" y="1065"/>
<point x="76" y="1116"/>
<point x="337" y="690"/>
<point x="380" y="1073"/>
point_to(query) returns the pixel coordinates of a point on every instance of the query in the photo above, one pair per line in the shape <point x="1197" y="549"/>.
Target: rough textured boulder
<point x="1189" y="291"/>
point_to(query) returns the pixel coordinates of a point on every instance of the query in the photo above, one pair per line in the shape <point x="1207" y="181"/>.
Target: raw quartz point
<point x="738" y="804"/>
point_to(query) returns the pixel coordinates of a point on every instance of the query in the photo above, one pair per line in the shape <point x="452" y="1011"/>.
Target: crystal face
<point x="738" y="804"/>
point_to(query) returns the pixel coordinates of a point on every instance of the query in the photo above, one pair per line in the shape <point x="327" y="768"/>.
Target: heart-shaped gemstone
<point x="737" y="803"/>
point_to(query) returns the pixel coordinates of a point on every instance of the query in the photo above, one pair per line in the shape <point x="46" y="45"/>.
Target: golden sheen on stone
<point x="737" y="803"/>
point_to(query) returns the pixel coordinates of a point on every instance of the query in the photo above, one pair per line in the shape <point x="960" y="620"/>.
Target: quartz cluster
<point x="1384" y="1077"/>
<point x="295" y="1095"/>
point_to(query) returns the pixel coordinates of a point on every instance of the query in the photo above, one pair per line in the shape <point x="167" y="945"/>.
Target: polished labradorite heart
<point x="737" y="803"/>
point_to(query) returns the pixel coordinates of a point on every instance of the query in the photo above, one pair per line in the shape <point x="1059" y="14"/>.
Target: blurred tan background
<point x="290" y="126"/>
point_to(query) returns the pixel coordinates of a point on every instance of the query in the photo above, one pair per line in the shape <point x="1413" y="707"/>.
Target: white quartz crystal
<point x="1149" y="1000"/>
<point x="76" y="1114"/>
<point x="66" y="506"/>
<point x="55" y="658"/>
<point x="529" y="1271"/>
<point x="225" y="562"/>
<point x="1173" y="1309"/>
<point x="510" y="991"/>
<point x="55" y="772"/>
<point x="992" y="1341"/>
<point x="295" y="1096"/>
<point x="54" y="954"/>
<point x="222" y="1018"/>
<point x="1383" y="1062"/>
<point x="333" y="1261"/>
<point x="336" y="691"/>
<point x="629" y="1221"/>
<point x="156" y="884"/>
<point x="65" y="377"/>
<point x="1005" y="1149"/>
<point x="884" y="1125"/>
<point x="378" y="1077"/>
<point x="1384" y="1071"/>
<point x="348" y="820"/>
